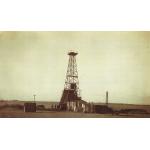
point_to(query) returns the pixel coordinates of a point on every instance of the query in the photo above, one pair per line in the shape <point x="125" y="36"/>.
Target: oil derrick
<point x="71" y="92"/>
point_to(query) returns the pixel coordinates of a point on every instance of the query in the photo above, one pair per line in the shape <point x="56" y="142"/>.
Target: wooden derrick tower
<point x="71" y="92"/>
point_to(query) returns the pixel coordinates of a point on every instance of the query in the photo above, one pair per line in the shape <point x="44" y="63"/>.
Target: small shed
<point x="102" y="109"/>
<point x="30" y="107"/>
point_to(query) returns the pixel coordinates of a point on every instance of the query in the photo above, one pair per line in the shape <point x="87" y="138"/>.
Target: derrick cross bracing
<point x="71" y="92"/>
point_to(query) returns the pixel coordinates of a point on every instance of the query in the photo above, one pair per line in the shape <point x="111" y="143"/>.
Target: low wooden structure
<point x="29" y="107"/>
<point x="77" y="106"/>
<point x="102" y="109"/>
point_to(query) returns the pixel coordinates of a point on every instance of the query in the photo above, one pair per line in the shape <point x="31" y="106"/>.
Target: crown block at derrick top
<point x="72" y="53"/>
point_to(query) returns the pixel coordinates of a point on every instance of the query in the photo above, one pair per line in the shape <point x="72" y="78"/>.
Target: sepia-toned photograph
<point x="74" y="74"/>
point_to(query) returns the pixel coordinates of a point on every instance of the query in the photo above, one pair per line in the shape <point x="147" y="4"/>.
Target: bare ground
<point x="50" y="114"/>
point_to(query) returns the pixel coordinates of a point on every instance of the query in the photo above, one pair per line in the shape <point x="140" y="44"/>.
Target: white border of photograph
<point x="77" y="15"/>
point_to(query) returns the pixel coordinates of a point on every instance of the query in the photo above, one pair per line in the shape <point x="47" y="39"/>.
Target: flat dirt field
<point x="51" y="114"/>
<point x="14" y="109"/>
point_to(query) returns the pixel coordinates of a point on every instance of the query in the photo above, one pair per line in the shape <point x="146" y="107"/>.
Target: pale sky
<point x="36" y="63"/>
